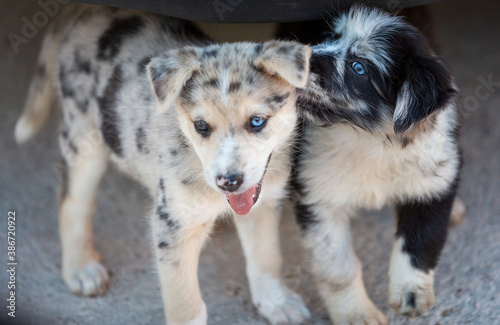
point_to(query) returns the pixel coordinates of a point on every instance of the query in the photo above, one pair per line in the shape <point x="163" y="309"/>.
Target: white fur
<point x="369" y="171"/>
<point x="405" y="279"/>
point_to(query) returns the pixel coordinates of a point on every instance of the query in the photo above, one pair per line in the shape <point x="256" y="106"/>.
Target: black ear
<point x="427" y="88"/>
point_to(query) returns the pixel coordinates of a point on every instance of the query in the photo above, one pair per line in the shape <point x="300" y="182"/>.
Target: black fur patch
<point x="303" y="213"/>
<point x="411" y="300"/>
<point x="165" y="217"/>
<point x="81" y="65"/>
<point x="140" y="138"/>
<point x="428" y="82"/>
<point x="285" y="49"/>
<point x="277" y="101"/>
<point x="162" y="185"/>
<point x="250" y="79"/>
<point x="141" y="67"/>
<point x="163" y="244"/>
<point x="66" y="90"/>
<point x="162" y="213"/>
<point x="368" y="120"/>
<point x="109" y="116"/>
<point x="423" y="227"/>
<point x="159" y="75"/>
<point x="111" y="40"/>
<point x="209" y="53"/>
<point x="305" y="217"/>
<point x="234" y="86"/>
<point x="299" y="62"/>
<point x="258" y="49"/>
<point x="66" y="75"/>
<point x="163" y="195"/>
<point x="214" y="82"/>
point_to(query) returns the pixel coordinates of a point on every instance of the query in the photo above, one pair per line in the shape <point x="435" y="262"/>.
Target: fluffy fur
<point x="385" y="135"/>
<point x="132" y="85"/>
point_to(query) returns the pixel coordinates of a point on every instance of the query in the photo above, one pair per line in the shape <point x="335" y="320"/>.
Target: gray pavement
<point x="467" y="279"/>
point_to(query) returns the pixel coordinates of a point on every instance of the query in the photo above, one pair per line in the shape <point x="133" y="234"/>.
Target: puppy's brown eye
<point x="202" y="128"/>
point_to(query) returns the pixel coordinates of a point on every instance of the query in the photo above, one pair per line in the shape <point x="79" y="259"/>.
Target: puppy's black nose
<point x="229" y="182"/>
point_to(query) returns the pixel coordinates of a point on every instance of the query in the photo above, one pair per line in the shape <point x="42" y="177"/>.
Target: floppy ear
<point x="287" y="60"/>
<point x="427" y="88"/>
<point x="169" y="72"/>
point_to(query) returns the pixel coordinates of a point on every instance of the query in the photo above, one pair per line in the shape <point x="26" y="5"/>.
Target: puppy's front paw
<point x="91" y="280"/>
<point x="282" y="307"/>
<point x="358" y="314"/>
<point x="351" y="305"/>
<point x="412" y="299"/>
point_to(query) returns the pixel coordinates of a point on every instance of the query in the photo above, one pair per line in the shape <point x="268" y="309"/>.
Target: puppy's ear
<point x="287" y="60"/>
<point x="427" y="88"/>
<point x="169" y="72"/>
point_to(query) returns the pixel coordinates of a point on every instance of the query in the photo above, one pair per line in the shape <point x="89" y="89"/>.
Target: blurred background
<point x="468" y="276"/>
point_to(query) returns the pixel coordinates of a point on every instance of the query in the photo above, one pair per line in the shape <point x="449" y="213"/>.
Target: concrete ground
<point x="467" y="279"/>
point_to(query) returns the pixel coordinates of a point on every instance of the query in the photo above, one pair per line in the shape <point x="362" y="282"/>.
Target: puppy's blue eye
<point x="358" y="68"/>
<point x="202" y="127"/>
<point x="257" y="122"/>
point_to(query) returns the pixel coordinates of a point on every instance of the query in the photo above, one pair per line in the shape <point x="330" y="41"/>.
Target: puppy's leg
<point x="336" y="267"/>
<point x="177" y="249"/>
<point x="259" y="236"/>
<point x="420" y="236"/>
<point x="458" y="213"/>
<point x="81" y="267"/>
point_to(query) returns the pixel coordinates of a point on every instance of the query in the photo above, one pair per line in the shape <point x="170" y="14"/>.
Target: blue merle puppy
<point x="206" y="128"/>
<point x="382" y="130"/>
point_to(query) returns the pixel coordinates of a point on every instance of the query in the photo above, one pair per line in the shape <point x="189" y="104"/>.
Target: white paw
<point x="92" y="280"/>
<point x="283" y="307"/>
<point x="411" y="291"/>
<point x="359" y="314"/>
<point x="352" y="305"/>
<point x="411" y="300"/>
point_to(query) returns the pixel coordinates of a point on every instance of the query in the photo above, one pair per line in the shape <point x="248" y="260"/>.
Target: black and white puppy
<point x="384" y="131"/>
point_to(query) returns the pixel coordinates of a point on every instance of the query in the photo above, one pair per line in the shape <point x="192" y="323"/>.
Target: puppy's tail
<point x="42" y="92"/>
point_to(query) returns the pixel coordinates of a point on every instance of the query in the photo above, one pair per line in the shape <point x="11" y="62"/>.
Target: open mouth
<point x="242" y="203"/>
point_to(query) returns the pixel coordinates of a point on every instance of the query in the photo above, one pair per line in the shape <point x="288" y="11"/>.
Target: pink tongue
<point x="243" y="202"/>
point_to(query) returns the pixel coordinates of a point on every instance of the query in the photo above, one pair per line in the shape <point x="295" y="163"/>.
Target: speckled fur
<point x="131" y="84"/>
